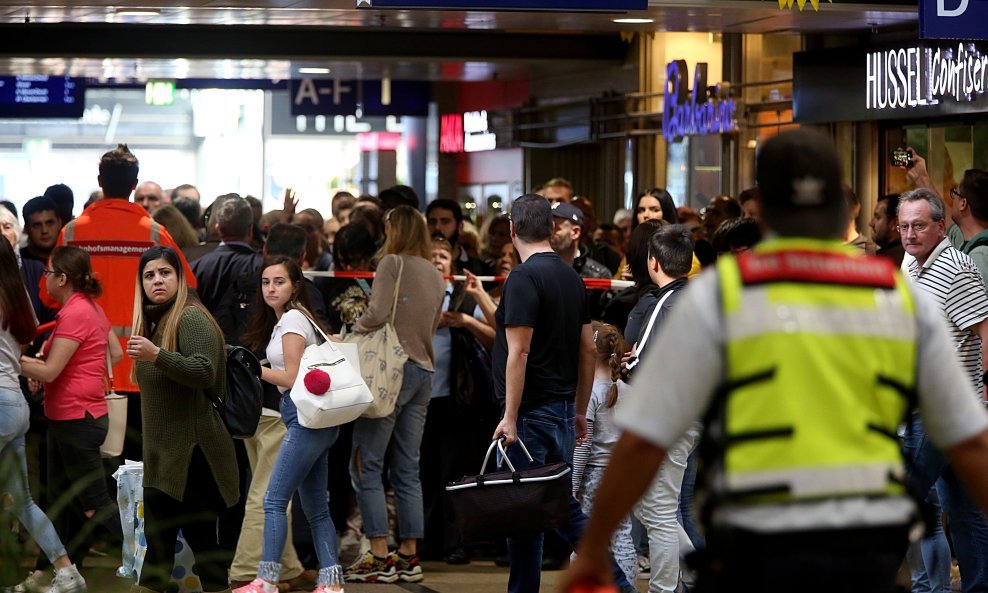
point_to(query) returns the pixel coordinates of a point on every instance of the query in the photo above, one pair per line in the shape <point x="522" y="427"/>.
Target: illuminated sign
<point x="467" y="132"/>
<point x="42" y="96"/>
<point x="159" y="92"/>
<point x="451" y="133"/>
<point x="693" y="113"/>
<point x="918" y="76"/>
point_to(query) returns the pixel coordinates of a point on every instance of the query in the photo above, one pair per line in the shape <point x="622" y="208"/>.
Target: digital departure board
<point x="42" y="96"/>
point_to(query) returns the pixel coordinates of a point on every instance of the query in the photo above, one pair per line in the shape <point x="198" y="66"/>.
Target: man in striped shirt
<point x="954" y="283"/>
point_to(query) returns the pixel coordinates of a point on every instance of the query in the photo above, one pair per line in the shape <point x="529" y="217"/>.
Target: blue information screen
<point x="42" y="96"/>
<point x="560" y="5"/>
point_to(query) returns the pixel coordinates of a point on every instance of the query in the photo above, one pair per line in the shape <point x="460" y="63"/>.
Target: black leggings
<point x="196" y="516"/>
<point x="76" y="484"/>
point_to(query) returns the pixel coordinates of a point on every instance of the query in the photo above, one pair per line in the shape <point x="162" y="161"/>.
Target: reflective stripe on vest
<point x="818" y="374"/>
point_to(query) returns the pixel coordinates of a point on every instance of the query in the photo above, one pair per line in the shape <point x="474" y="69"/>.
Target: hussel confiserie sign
<point x="915" y="76"/>
<point x="917" y="80"/>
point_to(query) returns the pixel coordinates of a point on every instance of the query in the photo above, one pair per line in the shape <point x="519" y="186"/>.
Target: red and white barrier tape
<point x="592" y="283"/>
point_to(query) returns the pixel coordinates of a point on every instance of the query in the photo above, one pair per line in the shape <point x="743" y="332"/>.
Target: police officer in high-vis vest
<point x="803" y="358"/>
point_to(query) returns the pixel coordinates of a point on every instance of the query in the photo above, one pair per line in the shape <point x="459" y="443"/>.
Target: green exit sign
<point x="159" y="92"/>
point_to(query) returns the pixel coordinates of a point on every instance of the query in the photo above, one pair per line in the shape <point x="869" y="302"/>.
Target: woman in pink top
<point x="73" y="370"/>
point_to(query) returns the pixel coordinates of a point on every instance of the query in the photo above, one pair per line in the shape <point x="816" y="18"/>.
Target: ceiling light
<point x="313" y="70"/>
<point x="634" y="21"/>
<point x="137" y="12"/>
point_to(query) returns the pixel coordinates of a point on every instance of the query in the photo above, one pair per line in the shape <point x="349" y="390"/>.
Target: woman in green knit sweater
<point x="190" y="469"/>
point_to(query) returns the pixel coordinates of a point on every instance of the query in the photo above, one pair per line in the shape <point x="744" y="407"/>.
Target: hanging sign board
<point x="363" y="98"/>
<point x="953" y="19"/>
<point x="921" y="79"/>
<point x="540" y="5"/>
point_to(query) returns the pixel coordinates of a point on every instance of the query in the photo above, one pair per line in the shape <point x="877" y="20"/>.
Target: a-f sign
<point x="943" y="11"/>
<point x="308" y="90"/>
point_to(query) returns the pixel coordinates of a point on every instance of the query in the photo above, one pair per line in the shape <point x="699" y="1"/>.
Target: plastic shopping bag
<point x="130" y="501"/>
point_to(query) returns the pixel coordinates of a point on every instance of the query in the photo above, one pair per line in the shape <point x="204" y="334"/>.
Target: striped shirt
<point x="953" y="281"/>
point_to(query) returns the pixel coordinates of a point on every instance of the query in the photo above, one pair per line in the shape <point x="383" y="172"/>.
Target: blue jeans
<point x="302" y="465"/>
<point x="402" y="430"/>
<point x="13" y="473"/>
<point x="968" y="526"/>
<point x="549" y="433"/>
<point x="686" y="514"/>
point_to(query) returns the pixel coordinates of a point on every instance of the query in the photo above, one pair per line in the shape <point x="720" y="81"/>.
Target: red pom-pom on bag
<point x="317" y="381"/>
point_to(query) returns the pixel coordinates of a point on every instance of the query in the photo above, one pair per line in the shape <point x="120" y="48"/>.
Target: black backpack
<point x="240" y="404"/>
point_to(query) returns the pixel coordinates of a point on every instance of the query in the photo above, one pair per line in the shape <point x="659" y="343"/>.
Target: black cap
<point x="569" y="212"/>
<point x="799" y="170"/>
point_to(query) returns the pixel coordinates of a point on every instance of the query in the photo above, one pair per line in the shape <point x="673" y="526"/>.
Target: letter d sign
<point x="942" y="11"/>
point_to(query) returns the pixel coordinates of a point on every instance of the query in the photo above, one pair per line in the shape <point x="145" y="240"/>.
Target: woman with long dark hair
<point x="405" y="275"/>
<point x="72" y="367"/>
<point x="654" y="204"/>
<point x="190" y="468"/>
<point x="284" y="325"/>
<point x="17" y="328"/>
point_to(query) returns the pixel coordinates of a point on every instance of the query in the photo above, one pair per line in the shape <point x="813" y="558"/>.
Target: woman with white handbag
<point x="283" y="322"/>
<point x="405" y="306"/>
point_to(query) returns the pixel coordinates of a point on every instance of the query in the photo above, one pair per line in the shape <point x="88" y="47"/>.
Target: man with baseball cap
<point x="803" y="358"/>
<point x="567" y="229"/>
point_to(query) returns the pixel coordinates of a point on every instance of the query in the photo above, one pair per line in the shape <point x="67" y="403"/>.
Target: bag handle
<point x="394" y="303"/>
<point x="499" y="443"/>
<point x="109" y="371"/>
<point x="316" y="326"/>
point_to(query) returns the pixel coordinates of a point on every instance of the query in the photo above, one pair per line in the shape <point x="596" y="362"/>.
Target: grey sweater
<point x="420" y="303"/>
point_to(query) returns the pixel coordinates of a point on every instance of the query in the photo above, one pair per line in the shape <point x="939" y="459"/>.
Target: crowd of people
<point x="154" y="286"/>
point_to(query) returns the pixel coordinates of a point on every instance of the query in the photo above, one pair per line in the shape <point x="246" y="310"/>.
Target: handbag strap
<point x="394" y="303"/>
<point x="315" y="325"/>
<point x="109" y="366"/>
<point x="648" y="330"/>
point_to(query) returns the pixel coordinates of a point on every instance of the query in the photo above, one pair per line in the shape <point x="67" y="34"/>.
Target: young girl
<point x="591" y="458"/>
<point x="284" y="324"/>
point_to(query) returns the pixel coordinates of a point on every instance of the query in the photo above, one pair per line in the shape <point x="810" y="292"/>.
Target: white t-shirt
<point x="292" y="322"/>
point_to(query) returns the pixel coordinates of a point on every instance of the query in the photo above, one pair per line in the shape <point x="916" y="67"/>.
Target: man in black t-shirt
<point x="543" y="371"/>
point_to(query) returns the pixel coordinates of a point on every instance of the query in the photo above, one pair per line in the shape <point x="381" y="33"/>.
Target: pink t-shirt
<point x="79" y="388"/>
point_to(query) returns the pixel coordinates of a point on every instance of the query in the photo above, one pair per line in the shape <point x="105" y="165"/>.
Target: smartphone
<point x="902" y="157"/>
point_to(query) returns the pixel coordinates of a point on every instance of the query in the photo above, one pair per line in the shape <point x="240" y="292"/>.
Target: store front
<point x="929" y="96"/>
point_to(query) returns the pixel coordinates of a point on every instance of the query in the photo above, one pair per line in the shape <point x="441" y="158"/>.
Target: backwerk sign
<point x="916" y="80"/>
<point x="693" y="112"/>
<point x="953" y="19"/>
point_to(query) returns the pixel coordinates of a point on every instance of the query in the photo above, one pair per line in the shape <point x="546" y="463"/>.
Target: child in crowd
<point x="591" y="458"/>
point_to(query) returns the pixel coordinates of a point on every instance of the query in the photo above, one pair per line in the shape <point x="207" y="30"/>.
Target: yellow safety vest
<point x="820" y="372"/>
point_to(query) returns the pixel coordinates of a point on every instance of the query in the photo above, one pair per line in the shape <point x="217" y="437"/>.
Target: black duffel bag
<point x="510" y="503"/>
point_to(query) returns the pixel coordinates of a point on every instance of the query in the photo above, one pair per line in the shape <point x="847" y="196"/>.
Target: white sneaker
<point x="36" y="582"/>
<point x="68" y="580"/>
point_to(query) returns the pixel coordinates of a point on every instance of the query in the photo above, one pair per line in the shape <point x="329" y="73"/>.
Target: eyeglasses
<point x="46" y="272"/>
<point x="919" y="227"/>
<point x="957" y="194"/>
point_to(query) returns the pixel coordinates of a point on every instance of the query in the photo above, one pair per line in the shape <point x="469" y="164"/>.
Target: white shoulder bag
<point x="345" y="397"/>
